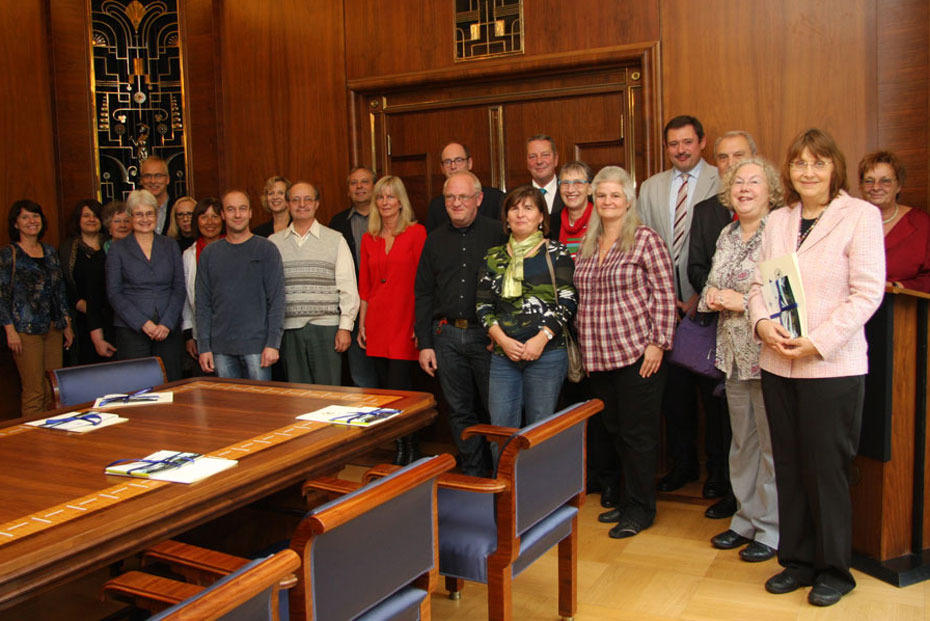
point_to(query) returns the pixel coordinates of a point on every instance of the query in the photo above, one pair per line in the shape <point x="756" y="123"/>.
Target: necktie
<point x="543" y="190"/>
<point x="681" y="211"/>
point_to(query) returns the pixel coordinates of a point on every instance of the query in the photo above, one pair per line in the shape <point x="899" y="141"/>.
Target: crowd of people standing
<point x="489" y="295"/>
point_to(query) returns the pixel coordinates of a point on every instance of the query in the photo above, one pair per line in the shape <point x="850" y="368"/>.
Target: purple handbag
<point x="695" y="345"/>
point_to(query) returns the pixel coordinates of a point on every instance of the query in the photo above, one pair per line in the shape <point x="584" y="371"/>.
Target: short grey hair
<point x="475" y="181"/>
<point x="733" y="134"/>
<point x="140" y="198"/>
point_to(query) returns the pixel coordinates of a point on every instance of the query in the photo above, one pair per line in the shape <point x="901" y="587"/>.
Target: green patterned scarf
<point x="513" y="274"/>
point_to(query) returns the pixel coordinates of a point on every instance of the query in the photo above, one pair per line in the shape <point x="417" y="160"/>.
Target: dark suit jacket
<point x="140" y="289"/>
<point x="490" y="208"/>
<point x="555" y="218"/>
<point x="340" y="222"/>
<point x="708" y="220"/>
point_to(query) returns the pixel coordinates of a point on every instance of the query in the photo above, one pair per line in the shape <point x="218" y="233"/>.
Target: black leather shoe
<point x="609" y="497"/>
<point x="728" y="539"/>
<point x="627" y="528"/>
<point x="823" y="595"/>
<point x="722" y="508"/>
<point x="716" y="488"/>
<point x="756" y="552"/>
<point x="609" y="516"/>
<point x="784" y="582"/>
<point x="676" y="479"/>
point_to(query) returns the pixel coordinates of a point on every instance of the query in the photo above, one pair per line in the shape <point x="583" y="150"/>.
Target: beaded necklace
<point x="803" y="236"/>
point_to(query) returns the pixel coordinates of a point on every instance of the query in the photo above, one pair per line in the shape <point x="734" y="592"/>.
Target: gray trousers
<point x="752" y="468"/>
<point x="310" y="356"/>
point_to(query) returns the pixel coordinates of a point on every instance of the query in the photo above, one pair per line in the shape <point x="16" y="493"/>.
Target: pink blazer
<point x="843" y="273"/>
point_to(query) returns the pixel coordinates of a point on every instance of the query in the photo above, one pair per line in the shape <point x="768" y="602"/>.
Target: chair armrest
<point x="493" y="433"/>
<point x="198" y="565"/>
<point x="468" y="483"/>
<point x="329" y="484"/>
<point x="379" y="471"/>
<point x="151" y="592"/>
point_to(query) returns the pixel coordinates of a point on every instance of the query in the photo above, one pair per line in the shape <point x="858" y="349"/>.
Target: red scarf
<point x="202" y="243"/>
<point x="580" y="224"/>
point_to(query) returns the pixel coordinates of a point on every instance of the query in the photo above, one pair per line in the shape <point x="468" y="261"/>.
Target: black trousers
<point x="631" y="418"/>
<point x="815" y="434"/>
<point x="680" y="408"/>
<point x="132" y="344"/>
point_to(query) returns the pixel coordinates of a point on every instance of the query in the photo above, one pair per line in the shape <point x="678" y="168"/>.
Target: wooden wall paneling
<point x="902" y="70"/>
<point x="26" y="116"/>
<point x="425" y="29"/>
<point x="284" y="103"/>
<point x="425" y="133"/>
<point x="771" y="67"/>
<point x="202" y="88"/>
<point x="577" y="124"/>
<point x="73" y="106"/>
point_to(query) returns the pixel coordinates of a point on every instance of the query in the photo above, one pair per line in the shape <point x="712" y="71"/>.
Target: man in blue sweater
<point x="239" y="298"/>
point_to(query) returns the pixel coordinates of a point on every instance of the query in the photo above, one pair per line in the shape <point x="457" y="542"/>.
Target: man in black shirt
<point x="450" y="338"/>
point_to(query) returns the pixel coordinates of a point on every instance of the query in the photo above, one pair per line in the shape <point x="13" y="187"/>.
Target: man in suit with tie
<point x="542" y="158"/>
<point x="666" y="203"/>
<point x="709" y="218"/>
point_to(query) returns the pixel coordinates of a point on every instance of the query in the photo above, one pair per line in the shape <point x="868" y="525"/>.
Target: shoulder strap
<point x="555" y="288"/>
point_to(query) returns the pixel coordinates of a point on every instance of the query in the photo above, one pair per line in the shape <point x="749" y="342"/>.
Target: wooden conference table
<point x="60" y="515"/>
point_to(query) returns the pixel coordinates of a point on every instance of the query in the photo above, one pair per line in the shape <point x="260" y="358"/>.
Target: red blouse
<point x="907" y="251"/>
<point x="386" y="283"/>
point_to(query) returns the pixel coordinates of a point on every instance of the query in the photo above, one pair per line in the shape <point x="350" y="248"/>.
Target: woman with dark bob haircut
<point x="813" y="384"/>
<point x="523" y="314"/>
<point x="33" y="304"/>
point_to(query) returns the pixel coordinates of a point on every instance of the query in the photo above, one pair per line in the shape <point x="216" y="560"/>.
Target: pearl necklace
<point x="893" y="216"/>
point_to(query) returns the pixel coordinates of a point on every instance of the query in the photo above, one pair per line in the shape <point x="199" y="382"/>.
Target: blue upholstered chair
<point x="74" y="385"/>
<point x="490" y="530"/>
<point x="250" y="593"/>
<point x="371" y="554"/>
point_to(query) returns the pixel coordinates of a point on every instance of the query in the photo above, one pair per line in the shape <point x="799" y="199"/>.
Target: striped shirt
<point x="625" y="303"/>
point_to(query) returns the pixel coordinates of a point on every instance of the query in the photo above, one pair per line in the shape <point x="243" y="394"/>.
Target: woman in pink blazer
<point x="813" y="385"/>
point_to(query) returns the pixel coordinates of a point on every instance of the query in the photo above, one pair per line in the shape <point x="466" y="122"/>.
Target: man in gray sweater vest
<point x="239" y="298"/>
<point x="320" y="292"/>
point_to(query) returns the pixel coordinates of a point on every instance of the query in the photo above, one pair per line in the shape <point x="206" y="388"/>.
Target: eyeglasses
<point x="307" y="200"/>
<point x="452" y="198"/>
<point x="884" y="182"/>
<point x="457" y="161"/>
<point x="571" y="182"/>
<point x="153" y="176"/>
<point x="187" y="214"/>
<point x="819" y="165"/>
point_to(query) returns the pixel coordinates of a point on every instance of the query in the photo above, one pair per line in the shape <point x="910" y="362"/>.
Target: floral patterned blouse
<point x="32" y="297"/>
<point x="733" y="267"/>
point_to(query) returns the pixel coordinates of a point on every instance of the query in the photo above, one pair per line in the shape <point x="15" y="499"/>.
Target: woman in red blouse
<point x="907" y="230"/>
<point x="389" y="255"/>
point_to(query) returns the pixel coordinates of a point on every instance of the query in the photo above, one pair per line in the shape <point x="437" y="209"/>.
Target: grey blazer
<point x="653" y="209"/>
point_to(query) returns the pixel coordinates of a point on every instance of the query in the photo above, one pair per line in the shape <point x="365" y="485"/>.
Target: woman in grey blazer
<point x="145" y="285"/>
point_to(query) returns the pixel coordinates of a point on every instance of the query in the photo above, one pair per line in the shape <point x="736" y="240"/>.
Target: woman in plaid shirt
<point x="626" y="319"/>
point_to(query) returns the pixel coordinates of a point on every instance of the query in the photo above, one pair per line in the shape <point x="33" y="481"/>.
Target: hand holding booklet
<point x="783" y="293"/>
<point x="362" y="416"/>
<point x="172" y="466"/>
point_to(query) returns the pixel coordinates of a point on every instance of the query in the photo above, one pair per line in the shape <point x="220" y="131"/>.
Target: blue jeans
<point x="241" y="366"/>
<point x="522" y="387"/>
<point x="463" y="364"/>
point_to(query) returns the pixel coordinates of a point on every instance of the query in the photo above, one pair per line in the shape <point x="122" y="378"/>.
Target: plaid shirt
<point x="625" y="303"/>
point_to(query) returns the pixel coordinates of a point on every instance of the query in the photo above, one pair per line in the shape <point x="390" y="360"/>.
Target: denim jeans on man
<point x="241" y="366"/>
<point x="463" y="364"/>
